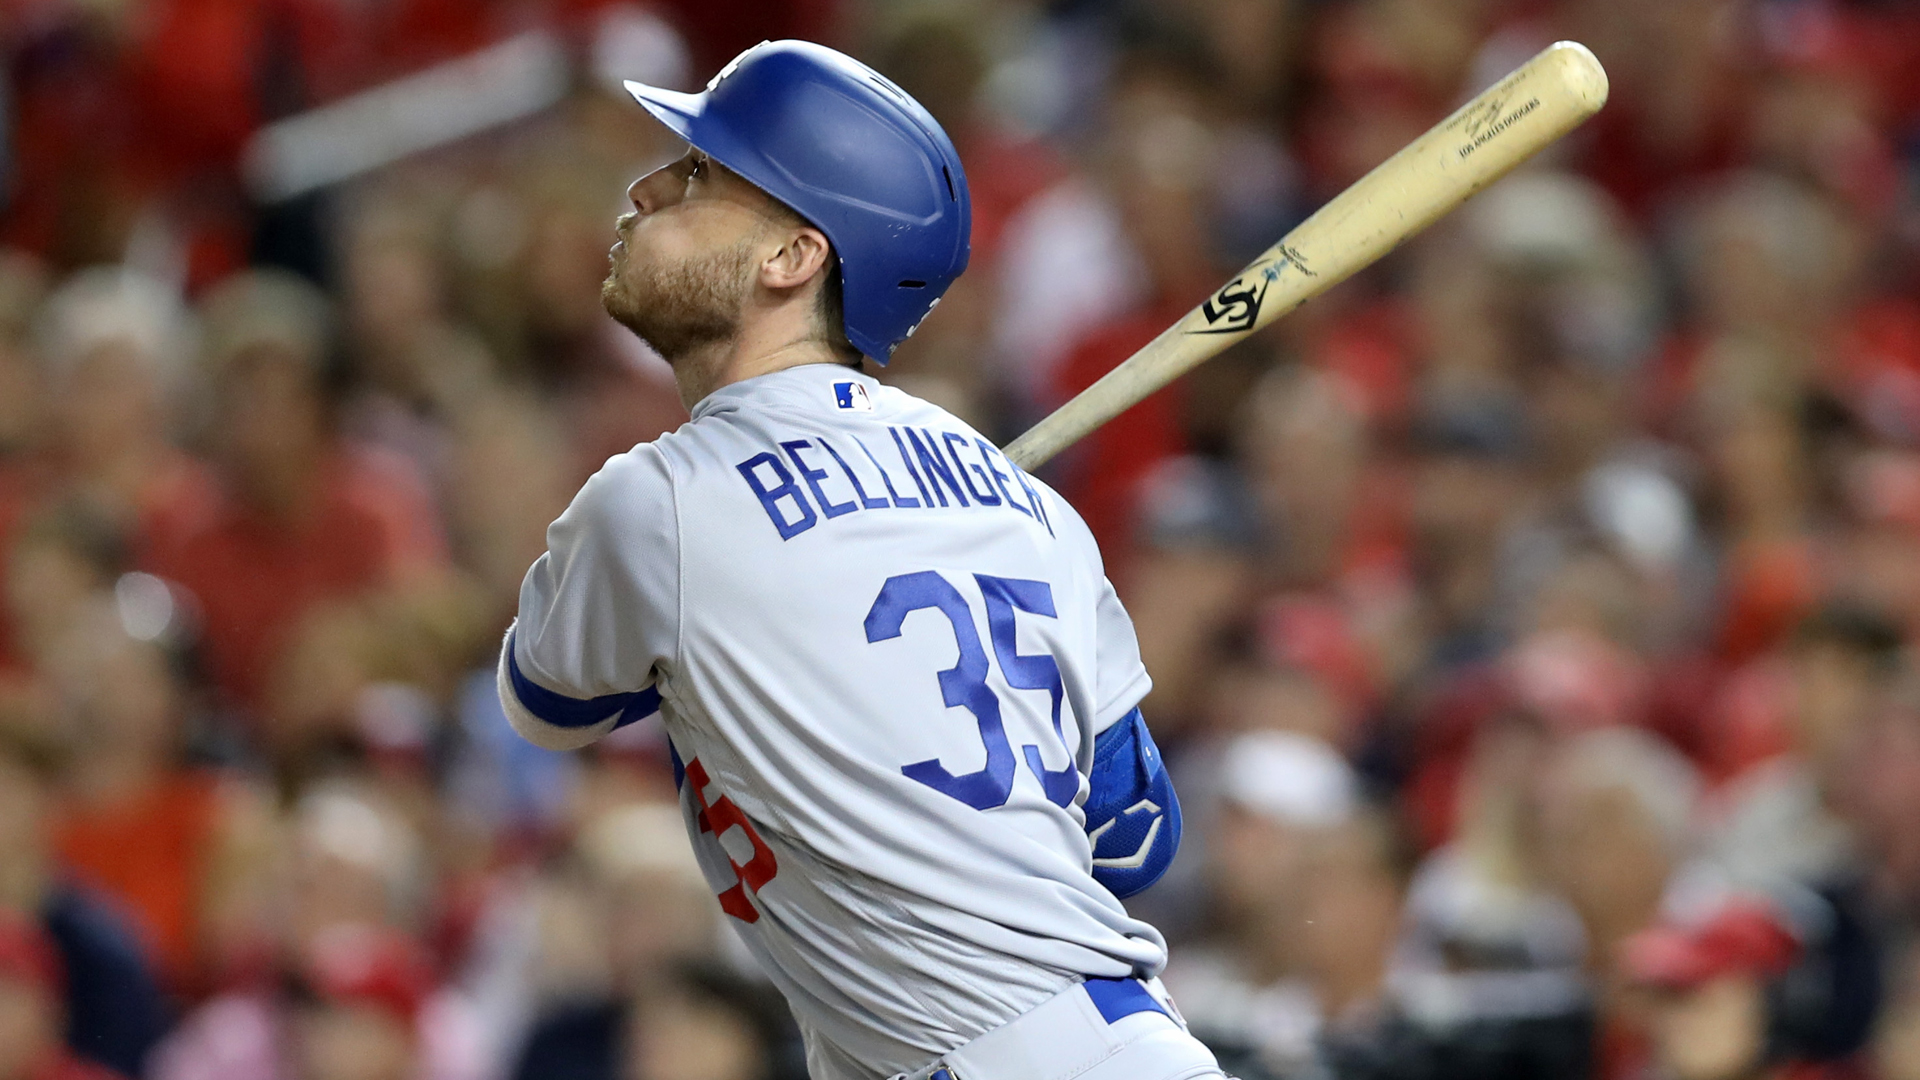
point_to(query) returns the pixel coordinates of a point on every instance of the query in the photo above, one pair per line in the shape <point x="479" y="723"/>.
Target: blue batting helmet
<point x="853" y="154"/>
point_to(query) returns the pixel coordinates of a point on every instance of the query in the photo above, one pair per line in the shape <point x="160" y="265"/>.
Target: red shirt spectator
<point x="303" y="519"/>
<point x="255" y="576"/>
<point x="150" y="850"/>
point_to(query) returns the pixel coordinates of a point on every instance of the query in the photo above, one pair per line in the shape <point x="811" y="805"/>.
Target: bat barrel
<point x="1540" y="101"/>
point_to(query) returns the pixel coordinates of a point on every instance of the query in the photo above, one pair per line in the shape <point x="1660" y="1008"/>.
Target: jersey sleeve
<point x="600" y="611"/>
<point x="1121" y="679"/>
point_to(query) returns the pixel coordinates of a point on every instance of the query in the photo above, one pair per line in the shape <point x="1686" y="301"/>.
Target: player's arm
<point x="598" y="611"/>
<point x="1133" y="816"/>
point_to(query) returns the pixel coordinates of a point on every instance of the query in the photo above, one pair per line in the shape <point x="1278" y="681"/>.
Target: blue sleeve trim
<point x="572" y="712"/>
<point x="1133" y="816"/>
<point x="643" y="704"/>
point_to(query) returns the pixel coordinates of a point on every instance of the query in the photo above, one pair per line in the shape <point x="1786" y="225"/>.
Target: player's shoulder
<point x="643" y="466"/>
<point x="1068" y="525"/>
<point x="636" y="483"/>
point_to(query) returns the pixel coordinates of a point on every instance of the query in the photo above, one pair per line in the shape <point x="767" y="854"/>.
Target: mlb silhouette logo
<point x="852" y="395"/>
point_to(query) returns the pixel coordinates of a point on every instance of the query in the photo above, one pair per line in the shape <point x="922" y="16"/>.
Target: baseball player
<point x="900" y="693"/>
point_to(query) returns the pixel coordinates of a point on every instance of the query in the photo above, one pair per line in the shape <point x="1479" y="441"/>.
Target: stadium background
<point x="1531" y="618"/>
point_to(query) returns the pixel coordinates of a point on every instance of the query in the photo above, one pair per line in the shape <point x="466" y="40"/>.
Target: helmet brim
<point x="677" y="110"/>
<point x="685" y="115"/>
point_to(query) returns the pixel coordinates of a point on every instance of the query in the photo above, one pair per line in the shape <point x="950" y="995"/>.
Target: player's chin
<point x="627" y="309"/>
<point x="615" y="298"/>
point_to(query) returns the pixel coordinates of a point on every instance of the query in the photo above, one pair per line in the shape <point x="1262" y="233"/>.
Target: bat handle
<point x="1166" y="358"/>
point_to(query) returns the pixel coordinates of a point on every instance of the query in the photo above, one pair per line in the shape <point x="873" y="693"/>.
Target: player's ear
<point x="802" y="255"/>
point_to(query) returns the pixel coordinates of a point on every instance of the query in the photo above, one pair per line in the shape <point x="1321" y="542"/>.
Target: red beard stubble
<point x="681" y="307"/>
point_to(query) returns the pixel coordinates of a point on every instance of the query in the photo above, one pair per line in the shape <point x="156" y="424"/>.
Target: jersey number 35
<point x="965" y="684"/>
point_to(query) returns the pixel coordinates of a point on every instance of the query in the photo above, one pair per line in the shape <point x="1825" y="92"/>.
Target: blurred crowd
<point x="1532" y="618"/>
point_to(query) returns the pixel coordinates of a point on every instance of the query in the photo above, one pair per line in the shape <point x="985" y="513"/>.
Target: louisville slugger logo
<point x="1236" y="307"/>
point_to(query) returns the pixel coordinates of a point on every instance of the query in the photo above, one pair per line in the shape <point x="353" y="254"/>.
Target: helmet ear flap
<point x="852" y="154"/>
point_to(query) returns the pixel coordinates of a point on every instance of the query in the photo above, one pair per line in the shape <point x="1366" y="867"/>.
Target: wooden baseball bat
<point x="1543" y="99"/>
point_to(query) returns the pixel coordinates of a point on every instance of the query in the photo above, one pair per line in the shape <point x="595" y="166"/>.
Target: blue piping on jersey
<point x="572" y="712"/>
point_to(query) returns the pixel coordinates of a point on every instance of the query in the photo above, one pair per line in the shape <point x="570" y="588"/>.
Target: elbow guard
<point x="1133" y="817"/>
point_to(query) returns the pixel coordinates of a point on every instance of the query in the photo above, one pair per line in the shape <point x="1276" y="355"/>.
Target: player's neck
<point x="759" y="349"/>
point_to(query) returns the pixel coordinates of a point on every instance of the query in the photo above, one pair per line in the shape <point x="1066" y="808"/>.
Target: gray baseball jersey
<point x="882" y="653"/>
